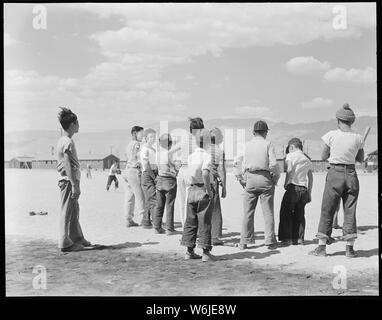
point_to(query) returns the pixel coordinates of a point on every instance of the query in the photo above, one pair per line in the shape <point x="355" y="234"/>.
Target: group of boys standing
<point x="153" y="180"/>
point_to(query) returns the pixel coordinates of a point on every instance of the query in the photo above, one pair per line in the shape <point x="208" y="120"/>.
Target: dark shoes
<point x="73" y="247"/>
<point x="159" y="230"/>
<point x="320" y="251"/>
<point x="192" y="255"/>
<point x="272" y="246"/>
<point x="170" y="232"/>
<point x="350" y="253"/>
<point x="131" y="224"/>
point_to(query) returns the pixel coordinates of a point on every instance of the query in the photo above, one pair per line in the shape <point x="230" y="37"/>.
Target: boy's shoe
<point x="73" y="247"/>
<point x="217" y="242"/>
<point x="207" y="256"/>
<point x="131" y="224"/>
<point x="286" y="243"/>
<point x="159" y="230"/>
<point x="320" y="251"/>
<point x="350" y="253"/>
<point x="170" y="232"/>
<point x="243" y="246"/>
<point x="191" y="255"/>
<point x="272" y="246"/>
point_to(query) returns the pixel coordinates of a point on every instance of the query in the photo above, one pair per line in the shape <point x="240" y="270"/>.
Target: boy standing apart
<point x="298" y="185"/>
<point x="166" y="185"/>
<point x="218" y="178"/>
<point x="68" y="166"/>
<point x="343" y="147"/>
<point x="199" y="200"/>
<point x="112" y="175"/>
<point x="149" y="176"/>
<point x="132" y="176"/>
<point x="261" y="174"/>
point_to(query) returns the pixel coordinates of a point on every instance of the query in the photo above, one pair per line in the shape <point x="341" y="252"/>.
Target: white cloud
<point x="367" y="75"/>
<point x="317" y="103"/>
<point x="256" y="112"/>
<point x="8" y="40"/>
<point x="306" y="65"/>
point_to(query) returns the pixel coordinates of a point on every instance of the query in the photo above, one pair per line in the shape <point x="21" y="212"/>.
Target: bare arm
<point x="310" y="183"/>
<point x="70" y="175"/>
<point x="360" y="156"/>
<point x="325" y="152"/>
<point x="207" y="182"/>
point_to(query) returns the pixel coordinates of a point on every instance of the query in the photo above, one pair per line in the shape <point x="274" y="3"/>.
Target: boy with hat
<point x="298" y="185"/>
<point x="258" y="172"/>
<point x="199" y="200"/>
<point x="343" y="147"/>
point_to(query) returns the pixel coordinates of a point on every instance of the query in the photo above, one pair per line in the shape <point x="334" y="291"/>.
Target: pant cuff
<point x="187" y="244"/>
<point x="205" y="246"/>
<point x="321" y="235"/>
<point x="349" y="236"/>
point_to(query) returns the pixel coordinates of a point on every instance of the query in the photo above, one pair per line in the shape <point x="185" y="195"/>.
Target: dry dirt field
<point x="137" y="262"/>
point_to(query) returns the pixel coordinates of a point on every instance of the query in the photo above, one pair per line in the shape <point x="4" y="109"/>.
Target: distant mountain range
<point x="42" y="144"/>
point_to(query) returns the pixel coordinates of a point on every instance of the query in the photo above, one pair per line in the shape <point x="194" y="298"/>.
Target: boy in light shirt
<point x="166" y="186"/>
<point x="343" y="147"/>
<point x="149" y="176"/>
<point x="298" y="185"/>
<point x="112" y="176"/>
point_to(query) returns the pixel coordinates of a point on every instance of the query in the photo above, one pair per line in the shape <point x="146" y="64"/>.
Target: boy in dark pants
<point x="149" y="176"/>
<point x="298" y="185"/>
<point x="199" y="200"/>
<point x="166" y="185"/>
<point x="68" y="166"/>
<point x="343" y="147"/>
<point x="112" y="176"/>
<point x="219" y="177"/>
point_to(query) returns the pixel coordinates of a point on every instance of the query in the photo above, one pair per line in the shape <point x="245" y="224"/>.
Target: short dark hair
<point x="66" y="117"/>
<point x="216" y="136"/>
<point x="295" y="142"/>
<point x="196" y="123"/>
<point x="165" y="140"/>
<point x="203" y="138"/>
<point x="349" y="123"/>
<point x="147" y="131"/>
<point x="136" y="129"/>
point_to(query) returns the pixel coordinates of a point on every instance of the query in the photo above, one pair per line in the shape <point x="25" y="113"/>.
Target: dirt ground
<point x="137" y="262"/>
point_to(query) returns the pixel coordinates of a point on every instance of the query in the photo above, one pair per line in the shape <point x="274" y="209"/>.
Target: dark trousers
<point x="292" y="213"/>
<point x="341" y="183"/>
<point x="217" y="218"/>
<point x="165" y="195"/>
<point x="198" y="219"/>
<point x="110" y="179"/>
<point x="149" y="191"/>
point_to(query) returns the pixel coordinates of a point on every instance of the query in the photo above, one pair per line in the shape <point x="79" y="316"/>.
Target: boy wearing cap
<point x="343" y="147"/>
<point x="166" y="185"/>
<point x="149" y="176"/>
<point x="132" y="177"/>
<point x="258" y="172"/>
<point x="199" y="200"/>
<point x="298" y="185"/>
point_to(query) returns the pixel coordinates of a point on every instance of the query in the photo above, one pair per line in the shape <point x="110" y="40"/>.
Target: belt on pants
<point x="347" y="166"/>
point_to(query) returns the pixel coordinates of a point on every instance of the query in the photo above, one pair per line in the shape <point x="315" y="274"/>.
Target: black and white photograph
<point x="191" y="150"/>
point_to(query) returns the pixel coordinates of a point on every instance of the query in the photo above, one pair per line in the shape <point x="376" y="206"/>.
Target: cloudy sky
<point x="121" y="64"/>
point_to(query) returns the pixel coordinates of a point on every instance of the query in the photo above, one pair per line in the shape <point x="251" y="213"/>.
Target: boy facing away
<point x="149" y="176"/>
<point x="71" y="237"/>
<point x="343" y="147"/>
<point x="199" y="200"/>
<point x="166" y="186"/>
<point x="298" y="185"/>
